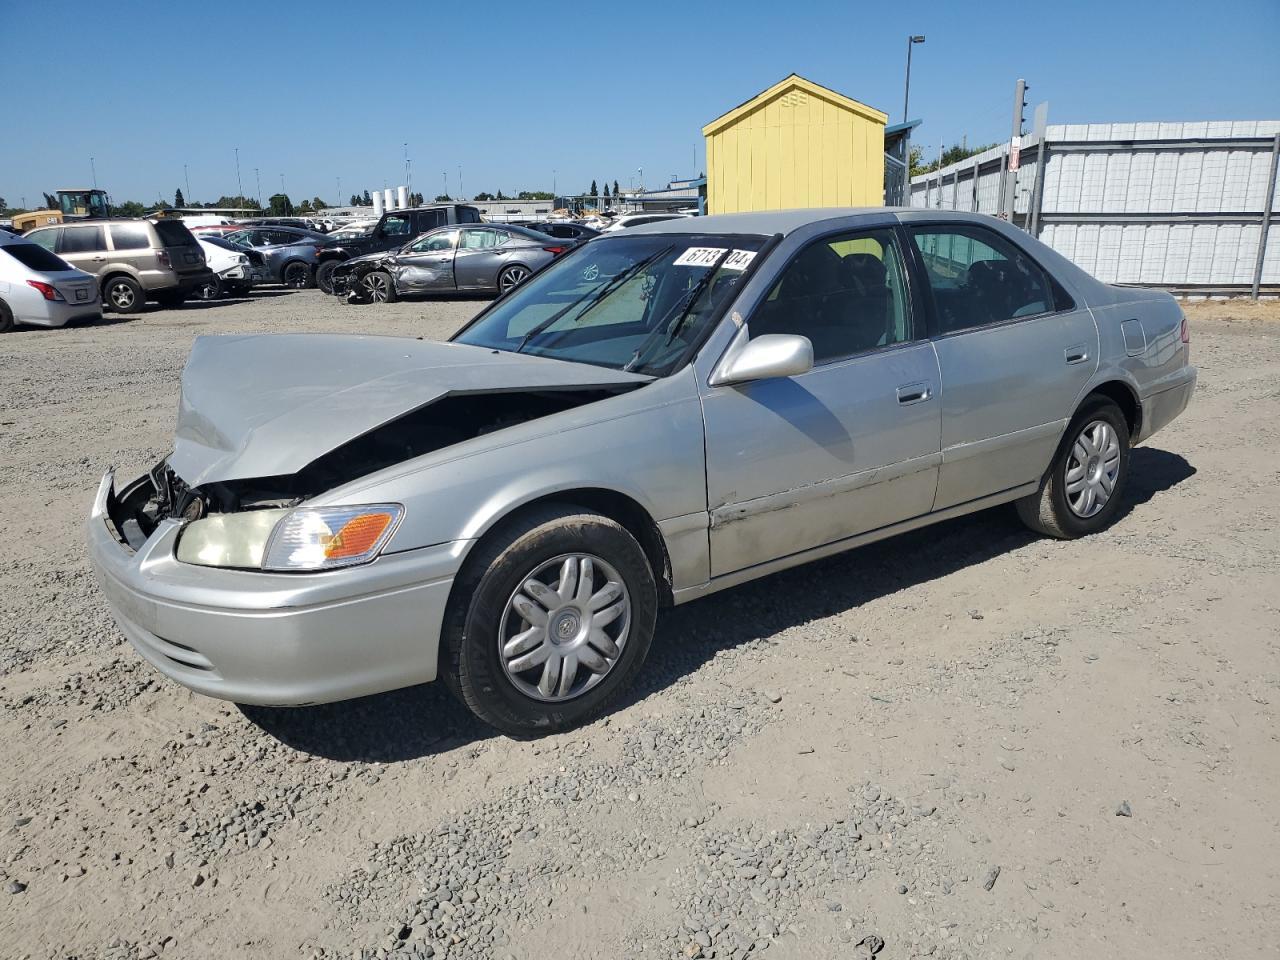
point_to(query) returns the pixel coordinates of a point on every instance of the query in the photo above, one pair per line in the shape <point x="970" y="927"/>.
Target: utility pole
<point x="257" y="180"/>
<point x="407" y="184"/>
<point x="239" y="186"/>
<point x="186" y="178"/>
<point x="446" y="183"/>
<point x="339" y="203"/>
<point x="94" y="170"/>
<point x="460" y="196"/>
<point x="906" y="94"/>
<point x="1012" y="157"/>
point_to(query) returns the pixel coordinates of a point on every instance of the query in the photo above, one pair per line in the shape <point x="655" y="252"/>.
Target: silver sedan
<point x="657" y="415"/>
<point x="487" y="258"/>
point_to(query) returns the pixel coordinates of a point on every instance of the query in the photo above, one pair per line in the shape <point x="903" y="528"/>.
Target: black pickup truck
<point x="393" y="231"/>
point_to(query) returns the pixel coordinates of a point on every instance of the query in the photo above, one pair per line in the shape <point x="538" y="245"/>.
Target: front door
<point x="426" y="266"/>
<point x="852" y="445"/>
<point x="84" y="247"/>
<point x="1014" y="351"/>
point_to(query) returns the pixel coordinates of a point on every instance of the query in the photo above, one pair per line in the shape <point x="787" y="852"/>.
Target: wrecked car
<point x="490" y="258"/>
<point x="657" y="415"/>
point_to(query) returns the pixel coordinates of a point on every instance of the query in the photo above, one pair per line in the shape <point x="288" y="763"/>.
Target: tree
<point x="304" y="207"/>
<point x="615" y="188"/>
<point x="443" y="198"/>
<point x="416" y="199"/>
<point x="606" y="190"/>
<point x="129" y="208"/>
<point x="317" y="205"/>
<point x="280" y="205"/>
<point x="949" y="156"/>
<point x="368" y="200"/>
<point x="51" y="202"/>
<point x="178" y="199"/>
<point x="501" y="196"/>
<point x="594" y="189"/>
<point x="484" y="196"/>
<point x="534" y="195"/>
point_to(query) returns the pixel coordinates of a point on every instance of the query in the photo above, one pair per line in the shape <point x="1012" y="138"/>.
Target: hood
<point x="265" y="406"/>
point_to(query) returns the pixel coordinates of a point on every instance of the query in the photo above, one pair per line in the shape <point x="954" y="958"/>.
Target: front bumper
<point x="272" y="638"/>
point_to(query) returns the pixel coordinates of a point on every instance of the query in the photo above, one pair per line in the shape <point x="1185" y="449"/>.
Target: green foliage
<point x="533" y="195"/>
<point x="594" y="189"/>
<point x="317" y="204"/>
<point x="615" y="188"/>
<point x="949" y="156"/>
<point x="279" y="205"/>
<point x="484" y="196"/>
<point x="443" y="198"/>
<point x="368" y="200"/>
<point x="51" y="202"/>
<point x="129" y="208"/>
<point x="178" y="199"/>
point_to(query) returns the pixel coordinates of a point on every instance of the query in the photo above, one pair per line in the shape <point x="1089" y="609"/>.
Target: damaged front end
<point x="249" y="458"/>
<point x="348" y="277"/>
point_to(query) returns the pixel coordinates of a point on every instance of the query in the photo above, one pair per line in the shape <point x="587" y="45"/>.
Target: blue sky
<point x="512" y="91"/>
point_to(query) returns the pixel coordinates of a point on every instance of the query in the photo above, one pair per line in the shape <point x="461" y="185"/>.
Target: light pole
<point x="239" y="186"/>
<point x="460" y="196"/>
<point x="640" y="171"/>
<point x="408" y="184"/>
<point x="906" y="95"/>
<point x="186" y="177"/>
<point x="339" y="203"/>
<point x="94" y="170"/>
<point x="257" y="180"/>
<point x="446" y="183"/>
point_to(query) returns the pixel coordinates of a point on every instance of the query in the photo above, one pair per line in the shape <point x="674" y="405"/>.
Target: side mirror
<point x="764" y="358"/>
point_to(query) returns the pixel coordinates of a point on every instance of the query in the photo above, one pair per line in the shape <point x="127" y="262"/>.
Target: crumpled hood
<point x="264" y="406"/>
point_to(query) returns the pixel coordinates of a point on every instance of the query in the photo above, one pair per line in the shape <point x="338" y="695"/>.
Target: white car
<point x="636" y="219"/>
<point x="40" y="288"/>
<point x="232" y="271"/>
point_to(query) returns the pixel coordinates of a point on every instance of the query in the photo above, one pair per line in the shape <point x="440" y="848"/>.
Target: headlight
<point x="229" y="539"/>
<point x="308" y="538"/>
<point x="321" y="538"/>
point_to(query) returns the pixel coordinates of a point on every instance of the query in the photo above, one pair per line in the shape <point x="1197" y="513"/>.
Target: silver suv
<point x="134" y="260"/>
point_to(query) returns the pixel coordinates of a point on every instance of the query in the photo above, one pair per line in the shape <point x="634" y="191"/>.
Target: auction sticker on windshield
<point x="708" y="256"/>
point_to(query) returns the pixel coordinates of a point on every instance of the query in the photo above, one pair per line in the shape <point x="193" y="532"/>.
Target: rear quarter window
<point x="36" y="258"/>
<point x="130" y="236"/>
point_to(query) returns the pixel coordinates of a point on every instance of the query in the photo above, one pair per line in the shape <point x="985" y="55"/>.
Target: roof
<point x="764" y="222"/>
<point x="790" y="83"/>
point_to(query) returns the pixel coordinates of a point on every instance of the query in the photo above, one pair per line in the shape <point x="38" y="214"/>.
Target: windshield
<point x="629" y="302"/>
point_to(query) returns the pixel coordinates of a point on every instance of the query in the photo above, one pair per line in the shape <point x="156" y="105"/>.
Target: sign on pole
<point x="1015" y="150"/>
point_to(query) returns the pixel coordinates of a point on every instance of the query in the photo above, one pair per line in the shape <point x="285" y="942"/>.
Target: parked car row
<point x="40" y="288"/>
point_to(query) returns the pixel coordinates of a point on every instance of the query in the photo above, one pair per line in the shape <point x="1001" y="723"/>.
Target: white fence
<point x="1183" y="206"/>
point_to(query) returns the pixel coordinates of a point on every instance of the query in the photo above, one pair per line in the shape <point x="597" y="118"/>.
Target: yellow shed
<point x="797" y="144"/>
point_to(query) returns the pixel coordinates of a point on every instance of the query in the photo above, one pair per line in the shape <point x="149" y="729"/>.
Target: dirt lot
<point x="848" y="750"/>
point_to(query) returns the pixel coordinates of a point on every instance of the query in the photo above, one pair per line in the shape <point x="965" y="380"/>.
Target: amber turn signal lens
<point x="357" y="536"/>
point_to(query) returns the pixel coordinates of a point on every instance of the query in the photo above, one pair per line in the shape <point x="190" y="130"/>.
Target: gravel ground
<point x="965" y="742"/>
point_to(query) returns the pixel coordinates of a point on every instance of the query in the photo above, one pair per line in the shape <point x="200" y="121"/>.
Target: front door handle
<point x="914" y="393"/>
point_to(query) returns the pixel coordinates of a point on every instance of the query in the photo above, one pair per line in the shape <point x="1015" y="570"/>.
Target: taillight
<point x="162" y="258"/>
<point x="46" y="290"/>
<point x="1185" y="332"/>
<point x="556" y="250"/>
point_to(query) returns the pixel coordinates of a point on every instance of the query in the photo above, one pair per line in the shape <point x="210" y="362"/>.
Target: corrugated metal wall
<point x="1170" y="204"/>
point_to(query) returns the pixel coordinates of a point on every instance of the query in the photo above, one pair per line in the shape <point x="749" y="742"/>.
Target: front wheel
<point x="297" y="275"/>
<point x="550" y="622"/>
<point x="1083" y="488"/>
<point x="324" y="276"/>
<point x="379" y="286"/>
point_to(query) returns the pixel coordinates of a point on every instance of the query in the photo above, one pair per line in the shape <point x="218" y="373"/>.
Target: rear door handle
<point x="914" y="393"/>
<point x="1076" y="354"/>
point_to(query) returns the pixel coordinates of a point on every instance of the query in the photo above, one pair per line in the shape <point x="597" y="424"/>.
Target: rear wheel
<point x="6" y="318"/>
<point x="297" y="275"/>
<point x="379" y="285"/>
<point x="550" y="621"/>
<point x="512" y="277"/>
<point x="211" y="289"/>
<point x="123" y="295"/>
<point x="1083" y="488"/>
<point x="324" y="275"/>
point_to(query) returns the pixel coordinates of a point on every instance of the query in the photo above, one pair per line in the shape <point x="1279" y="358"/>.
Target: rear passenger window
<point x="81" y="240"/>
<point x="978" y="278"/>
<point x="129" y="236"/>
<point x="847" y="295"/>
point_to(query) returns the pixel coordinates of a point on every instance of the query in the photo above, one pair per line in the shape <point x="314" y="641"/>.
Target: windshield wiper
<point x="599" y="295"/>
<point x="688" y="301"/>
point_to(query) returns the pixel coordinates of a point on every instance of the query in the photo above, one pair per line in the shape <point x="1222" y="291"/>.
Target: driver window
<point x="434" y="242"/>
<point x="847" y="294"/>
<point x="395" y="227"/>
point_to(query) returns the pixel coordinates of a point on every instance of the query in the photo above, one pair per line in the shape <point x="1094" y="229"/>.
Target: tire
<point x="6" y="318"/>
<point x="123" y="294"/>
<point x="379" y="286"/>
<point x="211" y="289"/>
<point x="297" y="276"/>
<point x="1084" y="486"/>
<point x="483" y="619"/>
<point x="324" y="275"/>
<point x="512" y="277"/>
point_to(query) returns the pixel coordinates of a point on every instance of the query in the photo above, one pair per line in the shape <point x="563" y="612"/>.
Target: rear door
<point x="1014" y="352"/>
<point x="131" y="246"/>
<point x="84" y="247"/>
<point x="798" y="462"/>
<point x="479" y="258"/>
